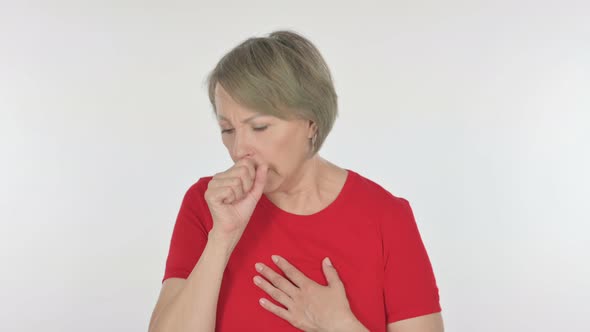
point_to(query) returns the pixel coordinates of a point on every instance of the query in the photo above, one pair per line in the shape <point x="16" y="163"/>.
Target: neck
<point x="307" y="190"/>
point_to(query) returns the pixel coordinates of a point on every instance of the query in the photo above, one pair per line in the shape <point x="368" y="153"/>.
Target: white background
<point x="477" y="112"/>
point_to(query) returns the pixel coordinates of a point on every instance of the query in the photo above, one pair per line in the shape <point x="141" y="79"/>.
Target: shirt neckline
<point x="326" y="210"/>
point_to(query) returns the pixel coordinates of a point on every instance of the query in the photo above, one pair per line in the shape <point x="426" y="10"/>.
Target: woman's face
<point x="283" y="145"/>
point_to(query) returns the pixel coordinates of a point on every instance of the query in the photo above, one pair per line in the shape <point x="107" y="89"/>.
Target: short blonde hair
<point x="283" y="75"/>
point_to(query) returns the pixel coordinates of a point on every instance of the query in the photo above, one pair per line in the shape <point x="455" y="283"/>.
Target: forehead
<point x="227" y="107"/>
<point x="222" y="95"/>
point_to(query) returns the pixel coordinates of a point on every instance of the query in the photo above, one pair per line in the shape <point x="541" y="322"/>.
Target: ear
<point x="312" y="129"/>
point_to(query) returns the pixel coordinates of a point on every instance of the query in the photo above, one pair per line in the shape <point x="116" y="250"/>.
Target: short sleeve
<point x="189" y="235"/>
<point x="410" y="288"/>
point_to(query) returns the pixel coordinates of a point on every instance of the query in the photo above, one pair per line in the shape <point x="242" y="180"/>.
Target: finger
<point x="235" y="183"/>
<point x="277" y="280"/>
<point x="249" y="164"/>
<point x="247" y="176"/>
<point x="218" y="189"/>
<point x="275" y="309"/>
<point x="274" y="292"/>
<point x="220" y="195"/>
<point x="244" y="170"/>
<point x="330" y="272"/>
<point x="296" y="276"/>
<point x="259" y="181"/>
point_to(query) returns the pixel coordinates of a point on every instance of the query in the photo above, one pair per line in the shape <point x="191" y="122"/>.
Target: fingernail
<point x="275" y="258"/>
<point x="328" y="262"/>
<point x="257" y="280"/>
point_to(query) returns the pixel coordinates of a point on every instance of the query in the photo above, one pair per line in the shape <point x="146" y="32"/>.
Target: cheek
<point x="227" y="144"/>
<point x="225" y="141"/>
<point x="286" y="153"/>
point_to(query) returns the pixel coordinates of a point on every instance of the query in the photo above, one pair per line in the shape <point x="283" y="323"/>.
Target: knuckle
<point x="306" y="288"/>
<point x="298" y="297"/>
<point x="276" y="294"/>
<point x="243" y="170"/>
<point x="287" y="269"/>
<point x="276" y="280"/>
<point x="244" y="174"/>
<point x="281" y="283"/>
<point x="239" y="164"/>
<point x="283" y="314"/>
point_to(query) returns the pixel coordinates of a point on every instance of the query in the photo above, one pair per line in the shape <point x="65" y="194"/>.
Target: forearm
<point x="195" y="307"/>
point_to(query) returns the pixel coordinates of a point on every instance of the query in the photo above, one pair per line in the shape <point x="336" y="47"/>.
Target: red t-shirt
<point x="369" y="234"/>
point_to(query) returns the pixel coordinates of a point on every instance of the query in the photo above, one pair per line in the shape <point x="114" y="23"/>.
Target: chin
<point x="270" y="186"/>
<point x="267" y="187"/>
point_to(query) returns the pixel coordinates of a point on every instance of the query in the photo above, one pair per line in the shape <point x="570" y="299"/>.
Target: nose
<point x="242" y="148"/>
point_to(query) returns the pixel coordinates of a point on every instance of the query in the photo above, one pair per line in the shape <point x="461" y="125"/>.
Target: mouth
<point x="257" y="164"/>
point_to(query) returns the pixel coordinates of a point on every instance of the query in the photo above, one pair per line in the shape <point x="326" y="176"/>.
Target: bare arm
<point x="426" y="323"/>
<point x="191" y="304"/>
<point x="231" y="197"/>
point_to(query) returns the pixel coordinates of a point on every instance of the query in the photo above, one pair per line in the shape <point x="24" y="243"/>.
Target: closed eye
<point x="227" y="131"/>
<point x="260" y="128"/>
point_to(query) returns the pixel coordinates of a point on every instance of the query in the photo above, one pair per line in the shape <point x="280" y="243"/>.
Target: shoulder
<point x="199" y="187"/>
<point x="194" y="203"/>
<point x="369" y="189"/>
<point x="391" y="214"/>
<point x="202" y="183"/>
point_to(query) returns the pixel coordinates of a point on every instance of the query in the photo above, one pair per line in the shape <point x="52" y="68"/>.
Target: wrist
<point x="359" y="327"/>
<point x="221" y="243"/>
<point x="351" y="325"/>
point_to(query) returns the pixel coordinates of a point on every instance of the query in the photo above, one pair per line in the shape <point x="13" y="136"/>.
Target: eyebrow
<point x="221" y="117"/>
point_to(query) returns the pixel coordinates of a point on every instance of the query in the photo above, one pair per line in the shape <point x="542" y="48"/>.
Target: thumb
<point x="330" y="273"/>
<point x="259" y="181"/>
